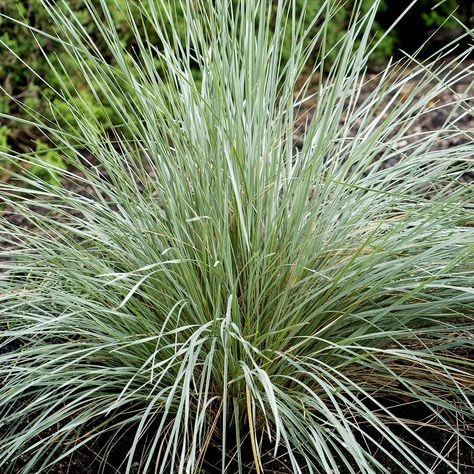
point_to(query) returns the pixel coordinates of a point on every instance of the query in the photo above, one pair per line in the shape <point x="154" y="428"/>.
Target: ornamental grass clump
<point x="201" y="291"/>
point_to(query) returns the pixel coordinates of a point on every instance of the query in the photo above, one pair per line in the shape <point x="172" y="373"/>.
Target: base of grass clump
<point x="89" y="458"/>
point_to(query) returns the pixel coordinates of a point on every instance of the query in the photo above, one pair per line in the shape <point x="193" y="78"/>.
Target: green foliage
<point x="336" y="28"/>
<point x="4" y="132"/>
<point x="48" y="164"/>
<point x="215" y="286"/>
<point x="4" y="148"/>
<point x="436" y="17"/>
<point x="31" y="95"/>
<point x="19" y="84"/>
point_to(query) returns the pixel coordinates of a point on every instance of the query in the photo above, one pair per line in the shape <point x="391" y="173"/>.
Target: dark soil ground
<point x="86" y="459"/>
<point x="457" y="452"/>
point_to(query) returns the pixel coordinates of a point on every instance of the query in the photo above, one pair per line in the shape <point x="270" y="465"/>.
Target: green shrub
<point x="4" y="132"/>
<point x="436" y="17"/>
<point x="28" y="94"/>
<point x="217" y="287"/>
<point x="4" y="147"/>
<point x="48" y="164"/>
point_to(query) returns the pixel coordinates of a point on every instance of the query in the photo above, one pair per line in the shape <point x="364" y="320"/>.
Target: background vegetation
<point x="20" y="86"/>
